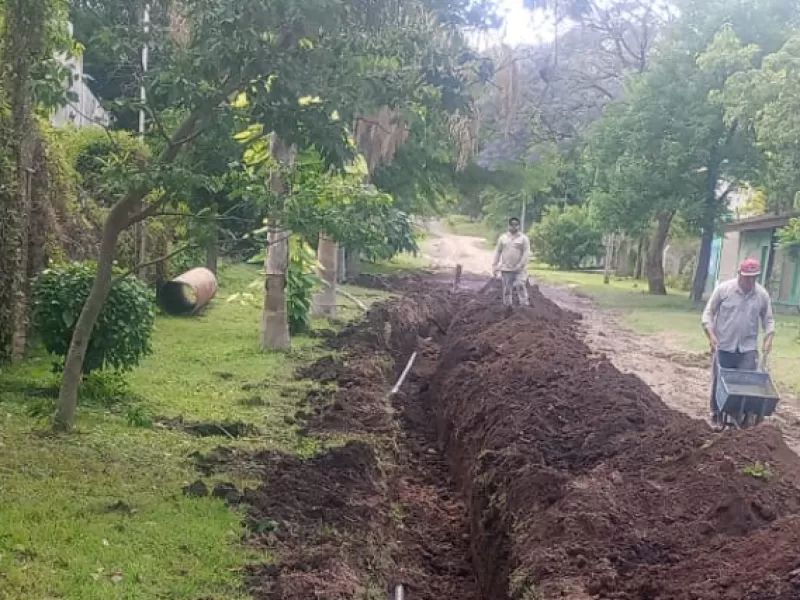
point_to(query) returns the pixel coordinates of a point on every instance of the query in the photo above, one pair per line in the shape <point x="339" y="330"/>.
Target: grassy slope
<point x="462" y="225"/>
<point x="675" y="316"/>
<point x="400" y="264"/>
<point x="60" y="537"/>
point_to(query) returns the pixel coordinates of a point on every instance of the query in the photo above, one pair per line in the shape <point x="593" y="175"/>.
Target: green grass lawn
<point x="463" y="225"/>
<point x="400" y="264"/>
<point x="99" y="514"/>
<point x="675" y="317"/>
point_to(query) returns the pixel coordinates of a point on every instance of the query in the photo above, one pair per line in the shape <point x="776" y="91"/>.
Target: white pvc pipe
<point x="399" y="593"/>
<point x="403" y="376"/>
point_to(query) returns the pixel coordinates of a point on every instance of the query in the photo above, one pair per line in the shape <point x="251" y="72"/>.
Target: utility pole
<point x="140" y="229"/>
<point x="145" y="57"/>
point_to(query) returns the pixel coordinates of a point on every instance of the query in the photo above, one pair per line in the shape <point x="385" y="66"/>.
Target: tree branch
<point x="155" y="261"/>
<point x="148" y="212"/>
<point x="159" y="123"/>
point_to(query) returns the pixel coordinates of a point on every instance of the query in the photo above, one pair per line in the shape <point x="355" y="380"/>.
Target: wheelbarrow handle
<point x="764" y="362"/>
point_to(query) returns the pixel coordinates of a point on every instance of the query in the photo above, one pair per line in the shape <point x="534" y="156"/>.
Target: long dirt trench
<point x="514" y="464"/>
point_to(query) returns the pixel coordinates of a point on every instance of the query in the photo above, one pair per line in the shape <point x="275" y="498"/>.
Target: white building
<point x="86" y="109"/>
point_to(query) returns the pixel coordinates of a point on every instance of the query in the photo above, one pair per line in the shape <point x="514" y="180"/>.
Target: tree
<point x="764" y="99"/>
<point x="30" y="30"/>
<point x="643" y="173"/>
<point x="112" y="34"/>
<point x="273" y="52"/>
<point x="670" y="148"/>
<point x="539" y="106"/>
<point x="305" y="71"/>
<point x="723" y="37"/>
<point x="565" y="237"/>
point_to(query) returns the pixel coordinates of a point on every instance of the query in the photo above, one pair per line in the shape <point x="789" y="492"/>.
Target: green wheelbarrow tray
<point x="744" y="398"/>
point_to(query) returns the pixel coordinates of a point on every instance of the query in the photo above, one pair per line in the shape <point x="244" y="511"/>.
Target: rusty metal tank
<point x="187" y="294"/>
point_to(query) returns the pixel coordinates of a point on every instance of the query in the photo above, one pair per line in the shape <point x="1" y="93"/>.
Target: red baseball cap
<point x="750" y="268"/>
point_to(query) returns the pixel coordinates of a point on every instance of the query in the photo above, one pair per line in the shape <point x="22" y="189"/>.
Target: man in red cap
<point x="731" y="322"/>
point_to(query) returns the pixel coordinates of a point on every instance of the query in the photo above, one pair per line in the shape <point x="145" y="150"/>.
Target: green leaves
<point x="789" y="237"/>
<point x="354" y="214"/>
<point x="121" y="337"/>
<point x="766" y="101"/>
<point x="300" y="281"/>
<point x="565" y="237"/>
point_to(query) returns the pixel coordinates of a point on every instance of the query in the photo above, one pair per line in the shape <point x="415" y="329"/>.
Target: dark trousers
<point x="745" y="361"/>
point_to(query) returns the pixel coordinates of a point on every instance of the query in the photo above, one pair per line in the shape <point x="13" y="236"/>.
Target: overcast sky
<point x="522" y="26"/>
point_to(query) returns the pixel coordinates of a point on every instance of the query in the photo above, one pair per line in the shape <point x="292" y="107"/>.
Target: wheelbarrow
<point x="744" y="398"/>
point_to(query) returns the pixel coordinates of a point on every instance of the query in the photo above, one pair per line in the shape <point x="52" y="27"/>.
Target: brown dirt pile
<point x="356" y="520"/>
<point x="374" y="352"/>
<point x="582" y="483"/>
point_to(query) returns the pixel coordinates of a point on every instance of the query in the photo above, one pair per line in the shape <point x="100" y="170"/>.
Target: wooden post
<point x="457" y="280"/>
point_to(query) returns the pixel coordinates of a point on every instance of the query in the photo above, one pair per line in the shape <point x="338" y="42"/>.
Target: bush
<point x="100" y="158"/>
<point x="300" y="280"/>
<point x="121" y="337"/>
<point x="789" y="237"/>
<point x="681" y="282"/>
<point x="565" y="236"/>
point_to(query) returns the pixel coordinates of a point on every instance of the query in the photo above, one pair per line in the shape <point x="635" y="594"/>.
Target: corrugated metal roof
<point x="762" y="222"/>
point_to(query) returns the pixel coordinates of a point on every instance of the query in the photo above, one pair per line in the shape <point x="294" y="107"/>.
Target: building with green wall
<point x="756" y="237"/>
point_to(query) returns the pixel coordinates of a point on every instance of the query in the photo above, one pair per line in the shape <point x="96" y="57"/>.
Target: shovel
<point x="488" y="284"/>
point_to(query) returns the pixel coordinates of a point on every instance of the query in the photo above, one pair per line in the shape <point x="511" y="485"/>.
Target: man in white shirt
<point x="511" y="260"/>
<point x="731" y="321"/>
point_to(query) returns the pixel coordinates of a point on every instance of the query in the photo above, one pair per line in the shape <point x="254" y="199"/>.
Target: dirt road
<point x="681" y="378"/>
<point x="445" y="250"/>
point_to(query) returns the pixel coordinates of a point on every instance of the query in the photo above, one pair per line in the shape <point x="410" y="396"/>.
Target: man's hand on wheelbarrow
<point x="713" y="342"/>
<point x="767" y="346"/>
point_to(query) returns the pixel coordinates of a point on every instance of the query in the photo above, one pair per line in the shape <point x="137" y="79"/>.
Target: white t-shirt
<point x="512" y="253"/>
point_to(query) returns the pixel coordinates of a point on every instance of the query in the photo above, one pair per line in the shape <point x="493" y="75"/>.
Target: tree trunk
<point x="24" y="208"/>
<point x="655" y="256"/>
<point x="9" y="267"/>
<point x="23" y="35"/>
<point x="163" y="267"/>
<point x="328" y="258"/>
<point x="352" y="264"/>
<point x="73" y="367"/>
<point x="704" y="255"/>
<point x="275" y="318"/>
<point x="341" y="265"/>
<point x="212" y="252"/>
<point x="212" y="246"/>
<point x="638" y="268"/>
<point x="609" y="258"/>
<point x="144" y="251"/>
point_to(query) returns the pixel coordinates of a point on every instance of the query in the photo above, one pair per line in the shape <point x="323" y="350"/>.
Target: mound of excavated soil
<point x="582" y="483"/>
<point x="356" y="520"/>
<point x="514" y="464"/>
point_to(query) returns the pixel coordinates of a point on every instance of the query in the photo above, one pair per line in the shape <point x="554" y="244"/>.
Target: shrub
<point x="121" y="337"/>
<point x="300" y="280"/>
<point x="789" y="237"/>
<point x="681" y="282"/>
<point x="565" y="236"/>
<point x="101" y="158"/>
